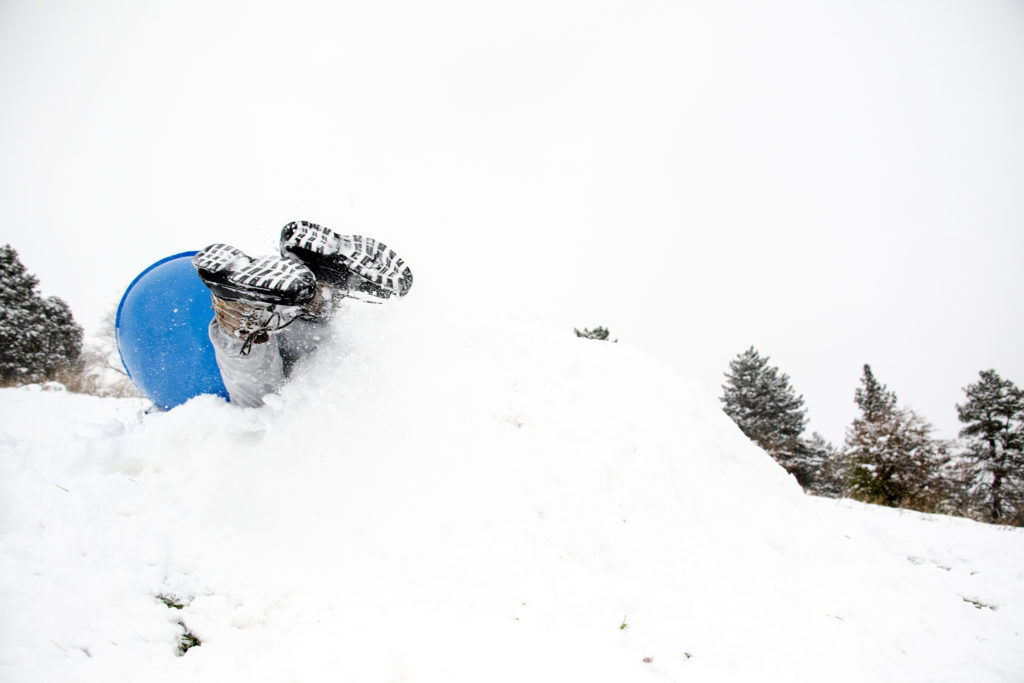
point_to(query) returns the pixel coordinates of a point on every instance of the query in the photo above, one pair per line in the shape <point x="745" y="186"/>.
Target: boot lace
<point x="274" y="322"/>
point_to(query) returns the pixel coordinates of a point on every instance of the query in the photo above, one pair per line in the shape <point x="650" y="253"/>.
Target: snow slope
<point x="461" y="495"/>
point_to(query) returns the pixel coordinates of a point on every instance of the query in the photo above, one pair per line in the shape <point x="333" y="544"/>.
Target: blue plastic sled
<point x="162" y="336"/>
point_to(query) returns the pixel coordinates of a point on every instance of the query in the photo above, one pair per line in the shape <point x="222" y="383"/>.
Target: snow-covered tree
<point x="762" y="403"/>
<point x="828" y="477"/>
<point x="873" y="398"/>
<point x="993" y="418"/>
<point x="37" y="336"/>
<point x="890" y="456"/>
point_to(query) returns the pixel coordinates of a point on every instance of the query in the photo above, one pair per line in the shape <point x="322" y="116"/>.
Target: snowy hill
<point x="451" y="495"/>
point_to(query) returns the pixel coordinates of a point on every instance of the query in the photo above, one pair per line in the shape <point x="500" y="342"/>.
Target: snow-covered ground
<point x="461" y="495"/>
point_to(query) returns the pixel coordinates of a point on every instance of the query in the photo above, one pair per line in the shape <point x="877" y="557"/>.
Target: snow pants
<point x="250" y="377"/>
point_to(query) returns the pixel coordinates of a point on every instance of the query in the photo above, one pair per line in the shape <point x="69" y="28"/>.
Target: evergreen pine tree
<point x="37" y="336"/>
<point x="808" y="461"/>
<point x="875" y="401"/>
<point x="890" y="457"/>
<point x="993" y="418"/>
<point x="829" y="474"/>
<point x="762" y="403"/>
<point x="17" y="289"/>
<point x="60" y="343"/>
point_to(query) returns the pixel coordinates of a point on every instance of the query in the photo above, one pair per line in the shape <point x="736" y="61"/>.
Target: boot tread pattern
<point x="380" y="270"/>
<point x="233" y="276"/>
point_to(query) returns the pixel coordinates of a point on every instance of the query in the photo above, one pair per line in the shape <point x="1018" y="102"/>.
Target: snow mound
<point x="448" y="495"/>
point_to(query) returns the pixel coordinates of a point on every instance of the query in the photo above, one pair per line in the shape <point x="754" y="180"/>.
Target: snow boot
<point x="234" y="276"/>
<point x="349" y="263"/>
<point x="253" y="298"/>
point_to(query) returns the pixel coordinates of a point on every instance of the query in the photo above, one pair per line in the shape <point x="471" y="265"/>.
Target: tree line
<point x="889" y="456"/>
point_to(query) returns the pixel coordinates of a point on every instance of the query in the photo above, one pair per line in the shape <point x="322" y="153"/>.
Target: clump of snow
<point x="445" y="494"/>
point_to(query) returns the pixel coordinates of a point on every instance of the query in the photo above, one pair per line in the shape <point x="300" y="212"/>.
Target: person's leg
<point x="254" y="300"/>
<point x="272" y="311"/>
<point x="250" y="376"/>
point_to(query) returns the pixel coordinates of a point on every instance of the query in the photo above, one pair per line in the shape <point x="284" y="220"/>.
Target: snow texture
<point x="452" y="495"/>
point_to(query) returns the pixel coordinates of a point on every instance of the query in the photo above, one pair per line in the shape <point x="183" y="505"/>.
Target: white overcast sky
<point x="833" y="182"/>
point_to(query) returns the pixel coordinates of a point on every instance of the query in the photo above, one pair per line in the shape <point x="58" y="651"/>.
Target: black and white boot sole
<point x="348" y="262"/>
<point x="234" y="276"/>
